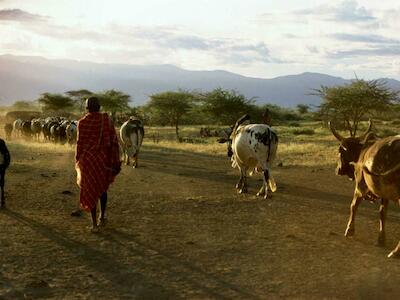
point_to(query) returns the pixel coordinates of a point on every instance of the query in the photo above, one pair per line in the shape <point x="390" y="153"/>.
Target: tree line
<point x="347" y="105"/>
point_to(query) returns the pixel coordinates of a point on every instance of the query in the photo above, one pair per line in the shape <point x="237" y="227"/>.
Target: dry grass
<point x="318" y="149"/>
<point x="294" y="149"/>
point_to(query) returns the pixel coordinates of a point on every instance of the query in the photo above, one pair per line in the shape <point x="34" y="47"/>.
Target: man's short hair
<point x="93" y="104"/>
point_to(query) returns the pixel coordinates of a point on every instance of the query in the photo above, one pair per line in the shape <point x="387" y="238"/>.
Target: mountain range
<point x="26" y="77"/>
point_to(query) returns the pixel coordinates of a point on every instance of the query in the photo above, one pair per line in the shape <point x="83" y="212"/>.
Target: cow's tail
<point x="388" y="172"/>
<point x="272" y="183"/>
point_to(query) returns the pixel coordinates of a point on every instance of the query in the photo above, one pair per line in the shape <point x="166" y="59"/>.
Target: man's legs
<point x="94" y="219"/>
<point x="103" y="205"/>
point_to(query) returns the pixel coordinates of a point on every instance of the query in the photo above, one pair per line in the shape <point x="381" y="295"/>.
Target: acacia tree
<point x="172" y="105"/>
<point x="55" y="102"/>
<point x="302" y="108"/>
<point x="114" y="101"/>
<point x="225" y="106"/>
<point x="24" y="105"/>
<point x="80" y="96"/>
<point x="352" y="102"/>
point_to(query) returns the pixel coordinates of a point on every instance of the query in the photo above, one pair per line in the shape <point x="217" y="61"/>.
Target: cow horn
<point x="362" y="137"/>
<point x="335" y="133"/>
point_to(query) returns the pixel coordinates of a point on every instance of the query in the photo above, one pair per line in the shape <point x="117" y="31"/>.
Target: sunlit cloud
<point x="18" y="15"/>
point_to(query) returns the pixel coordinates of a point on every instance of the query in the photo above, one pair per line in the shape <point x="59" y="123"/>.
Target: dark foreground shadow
<point x="120" y="275"/>
<point x="131" y="282"/>
<point x="201" y="280"/>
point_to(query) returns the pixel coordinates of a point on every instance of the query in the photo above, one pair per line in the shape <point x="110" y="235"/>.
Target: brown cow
<point x="374" y="164"/>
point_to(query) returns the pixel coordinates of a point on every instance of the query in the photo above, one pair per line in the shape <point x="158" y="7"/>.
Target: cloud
<point x="19" y="15"/>
<point x="382" y="51"/>
<point x="163" y="40"/>
<point x="366" y="38"/>
<point x="345" y="11"/>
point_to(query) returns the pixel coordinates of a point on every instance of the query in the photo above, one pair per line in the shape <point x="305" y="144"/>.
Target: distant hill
<point x="25" y="78"/>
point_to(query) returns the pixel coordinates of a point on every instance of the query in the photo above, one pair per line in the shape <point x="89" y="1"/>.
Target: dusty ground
<point x="177" y="229"/>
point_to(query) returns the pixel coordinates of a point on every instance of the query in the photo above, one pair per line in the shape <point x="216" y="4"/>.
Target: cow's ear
<point x="222" y="140"/>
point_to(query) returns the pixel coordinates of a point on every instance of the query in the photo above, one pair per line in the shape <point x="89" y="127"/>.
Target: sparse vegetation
<point x="351" y="103"/>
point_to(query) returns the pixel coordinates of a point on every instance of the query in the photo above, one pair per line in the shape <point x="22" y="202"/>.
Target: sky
<point x="256" y="38"/>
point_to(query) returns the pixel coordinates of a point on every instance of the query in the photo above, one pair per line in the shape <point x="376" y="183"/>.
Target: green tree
<point x="80" y="96"/>
<point x="352" y="102"/>
<point x="224" y="106"/>
<point x="56" y="102"/>
<point x="114" y="102"/>
<point x="24" y="105"/>
<point x="172" y="106"/>
<point x="302" y="108"/>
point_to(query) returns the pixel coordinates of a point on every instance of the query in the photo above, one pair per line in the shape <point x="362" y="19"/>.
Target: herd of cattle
<point x="52" y="129"/>
<point x="64" y="131"/>
<point x="372" y="162"/>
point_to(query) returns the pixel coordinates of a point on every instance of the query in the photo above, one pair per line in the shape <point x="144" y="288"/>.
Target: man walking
<point x="97" y="160"/>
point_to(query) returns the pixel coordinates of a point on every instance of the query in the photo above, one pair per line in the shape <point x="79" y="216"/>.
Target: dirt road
<point x="177" y="229"/>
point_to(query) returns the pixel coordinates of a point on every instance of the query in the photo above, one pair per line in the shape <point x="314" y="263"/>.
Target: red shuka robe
<point x="97" y="152"/>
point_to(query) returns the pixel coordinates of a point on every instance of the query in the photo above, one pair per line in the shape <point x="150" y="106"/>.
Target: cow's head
<point x="349" y="151"/>
<point x="228" y="142"/>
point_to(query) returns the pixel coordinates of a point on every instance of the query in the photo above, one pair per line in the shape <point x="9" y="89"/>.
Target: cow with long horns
<point x="374" y="164"/>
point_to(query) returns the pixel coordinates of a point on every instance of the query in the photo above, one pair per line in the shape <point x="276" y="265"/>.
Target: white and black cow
<point x="252" y="148"/>
<point x="131" y="134"/>
<point x="17" y="127"/>
<point x="36" y="128"/>
<point x="71" y="131"/>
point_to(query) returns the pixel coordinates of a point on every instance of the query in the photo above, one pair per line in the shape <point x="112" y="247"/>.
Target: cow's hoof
<point x="268" y="196"/>
<point x="260" y="194"/>
<point x="243" y="191"/>
<point x="394" y="254"/>
<point x="349" y="231"/>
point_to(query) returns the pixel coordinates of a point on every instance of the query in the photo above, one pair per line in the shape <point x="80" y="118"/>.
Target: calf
<point x="4" y="163"/>
<point x="131" y="134"/>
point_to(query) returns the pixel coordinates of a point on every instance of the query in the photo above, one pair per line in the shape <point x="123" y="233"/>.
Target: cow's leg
<point x="353" y="209"/>
<point x="126" y="157"/>
<point x="267" y="192"/>
<point x="244" y="185"/>
<point x="243" y="180"/>
<point x="261" y="192"/>
<point x="382" y="220"/>
<point x="239" y="183"/>
<point x="135" y="162"/>
<point x="395" y="252"/>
